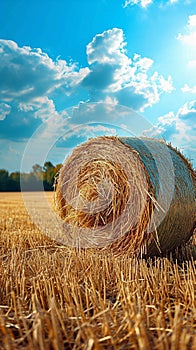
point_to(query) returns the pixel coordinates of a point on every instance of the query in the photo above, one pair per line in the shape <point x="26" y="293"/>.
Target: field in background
<point x="52" y="297"/>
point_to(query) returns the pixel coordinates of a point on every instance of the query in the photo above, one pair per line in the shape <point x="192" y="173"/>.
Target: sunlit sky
<point x="58" y="54"/>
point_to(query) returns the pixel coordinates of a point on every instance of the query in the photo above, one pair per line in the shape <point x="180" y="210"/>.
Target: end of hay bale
<point x="131" y="196"/>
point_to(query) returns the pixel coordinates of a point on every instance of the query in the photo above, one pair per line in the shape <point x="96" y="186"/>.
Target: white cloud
<point x="145" y="3"/>
<point x="35" y="87"/>
<point x="28" y="73"/>
<point x="84" y="132"/>
<point x="142" y="3"/>
<point x="42" y="107"/>
<point x="107" y="48"/>
<point x="192" y="64"/>
<point x="30" y="83"/>
<point x="4" y="110"/>
<point x="165" y="123"/>
<point x="111" y="101"/>
<point x="167" y="119"/>
<point x="189" y="39"/>
<point x="115" y="74"/>
<point x="192" y="21"/>
<point x="187" y="88"/>
<point x="179" y="128"/>
<point x="187" y="108"/>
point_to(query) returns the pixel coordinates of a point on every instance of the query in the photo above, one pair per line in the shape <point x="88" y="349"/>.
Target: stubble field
<point x="53" y="297"/>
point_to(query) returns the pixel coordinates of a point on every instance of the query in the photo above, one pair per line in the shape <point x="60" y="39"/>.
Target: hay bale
<point x="126" y="195"/>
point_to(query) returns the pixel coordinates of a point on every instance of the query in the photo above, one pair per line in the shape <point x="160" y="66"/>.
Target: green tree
<point x="49" y="173"/>
<point x="14" y="181"/>
<point x="4" y="179"/>
<point x="34" y="181"/>
<point x="37" y="172"/>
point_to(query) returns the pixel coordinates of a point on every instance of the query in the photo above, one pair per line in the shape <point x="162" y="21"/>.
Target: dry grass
<point x="113" y="194"/>
<point x="52" y="297"/>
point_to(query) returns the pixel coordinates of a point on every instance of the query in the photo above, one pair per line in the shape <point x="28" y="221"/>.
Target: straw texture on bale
<point x="126" y="195"/>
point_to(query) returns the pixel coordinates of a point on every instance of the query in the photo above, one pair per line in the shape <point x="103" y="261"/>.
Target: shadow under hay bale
<point x="127" y="195"/>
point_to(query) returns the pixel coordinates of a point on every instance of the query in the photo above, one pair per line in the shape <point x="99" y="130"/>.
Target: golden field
<point x="53" y="297"/>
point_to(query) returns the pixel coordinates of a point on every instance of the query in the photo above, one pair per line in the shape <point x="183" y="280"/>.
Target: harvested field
<point x="53" y="297"/>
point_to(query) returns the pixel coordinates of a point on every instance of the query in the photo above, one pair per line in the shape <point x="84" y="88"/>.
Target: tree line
<point x="39" y="178"/>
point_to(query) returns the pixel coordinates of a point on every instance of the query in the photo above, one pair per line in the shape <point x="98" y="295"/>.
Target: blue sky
<point x="67" y="68"/>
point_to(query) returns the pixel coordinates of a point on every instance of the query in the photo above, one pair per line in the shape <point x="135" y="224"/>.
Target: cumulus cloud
<point x="173" y="1"/>
<point x="32" y="84"/>
<point x="28" y="73"/>
<point x="42" y="107"/>
<point x="107" y="47"/>
<point x="4" y="110"/>
<point x="189" y="39"/>
<point x="78" y="134"/>
<point x="142" y="3"/>
<point x="179" y="128"/>
<point x="28" y="78"/>
<point x="110" y="114"/>
<point x="189" y="89"/>
<point x="145" y="3"/>
<point x="114" y="73"/>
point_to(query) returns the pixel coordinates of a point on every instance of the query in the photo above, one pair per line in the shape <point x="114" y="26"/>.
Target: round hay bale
<point x="126" y="195"/>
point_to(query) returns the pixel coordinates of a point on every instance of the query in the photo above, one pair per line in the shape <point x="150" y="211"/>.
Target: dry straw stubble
<point x="54" y="297"/>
